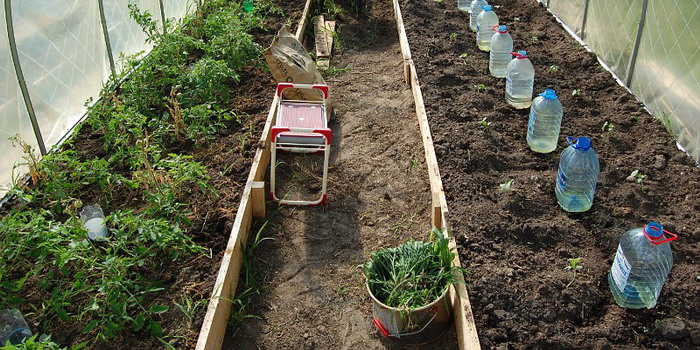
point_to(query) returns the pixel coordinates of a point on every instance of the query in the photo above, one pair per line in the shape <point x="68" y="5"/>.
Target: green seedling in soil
<point x="414" y="161"/>
<point x="574" y="265"/>
<point x="507" y="186"/>
<point x="667" y="124"/>
<point x="516" y="19"/>
<point x="454" y="36"/>
<point x="534" y="39"/>
<point x="191" y="308"/>
<point x="332" y="71"/>
<point x="405" y="224"/>
<point x="480" y="87"/>
<point x="577" y="92"/>
<point x="608" y="127"/>
<point x="635" y="176"/>
<point x="485" y="124"/>
<point x="464" y="55"/>
<point x="413" y="274"/>
<point x="553" y="69"/>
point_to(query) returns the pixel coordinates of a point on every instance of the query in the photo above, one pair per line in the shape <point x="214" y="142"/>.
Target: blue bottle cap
<point x="654" y="229"/>
<point x="522" y="53"/>
<point x="488" y="8"/>
<point x="502" y="28"/>
<point x="579" y="143"/>
<point x="549" y="94"/>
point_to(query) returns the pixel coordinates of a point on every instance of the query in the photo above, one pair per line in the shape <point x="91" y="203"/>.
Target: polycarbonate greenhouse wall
<point x="654" y="49"/>
<point x="62" y="53"/>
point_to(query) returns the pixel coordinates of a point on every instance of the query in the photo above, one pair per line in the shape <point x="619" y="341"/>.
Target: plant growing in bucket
<point x="408" y="286"/>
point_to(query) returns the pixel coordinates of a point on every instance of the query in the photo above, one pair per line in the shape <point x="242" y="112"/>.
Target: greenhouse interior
<point x="350" y="174"/>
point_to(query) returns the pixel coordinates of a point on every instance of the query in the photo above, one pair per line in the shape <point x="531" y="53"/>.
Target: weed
<point x="574" y="265"/>
<point x="332" y="71"/>
<point x="191" y="308"/>
<point x="414" y="161"/>
<point x="667" y="124"/>
<point x="412" y="274"/>
<point x="635" y="176"/>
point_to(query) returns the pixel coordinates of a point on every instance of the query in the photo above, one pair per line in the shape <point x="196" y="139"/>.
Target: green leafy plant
<point x="608" y="127"/>
<point x="534" y="39"/>
<point x="636" y="176"/>
<point x="484" y="124"/>
<point x="553" y="69"/>
<point x="574" y="266"/>
<point x="480" y="87"/>
<point x="413" y="274"/>
<point x="507" y="186"/>
<point x="464" y="55"/>
<point x="454" y="36"/>
<point x="577" y="92"/>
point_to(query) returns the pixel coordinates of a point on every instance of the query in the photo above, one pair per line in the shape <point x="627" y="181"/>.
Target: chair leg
<point x="273" y="165"/>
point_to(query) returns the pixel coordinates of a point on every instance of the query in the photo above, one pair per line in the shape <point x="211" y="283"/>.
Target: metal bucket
<point x="415" y="327"/>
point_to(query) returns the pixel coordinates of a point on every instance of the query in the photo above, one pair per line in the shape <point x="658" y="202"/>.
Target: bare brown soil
<point x="314" y="296"/>
<point x="516" y="244"/>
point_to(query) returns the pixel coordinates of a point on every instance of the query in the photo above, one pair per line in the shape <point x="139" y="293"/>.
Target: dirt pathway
<point x="314" y="295"/>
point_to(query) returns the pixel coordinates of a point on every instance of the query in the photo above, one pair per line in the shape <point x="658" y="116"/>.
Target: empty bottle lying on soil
<point x="464" y="5"/>
<point x="476" y="8"/>
<point x="546" y="113"/>
<point x="500" y="54"/>
<point x="520" y="78"/>
<point x="641" y="265"/>
<point x="577" y="175"/>
<point x="485" y="24"/>
<point x="13" y="327"/>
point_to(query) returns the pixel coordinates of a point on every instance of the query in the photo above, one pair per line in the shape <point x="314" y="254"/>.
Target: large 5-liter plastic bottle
<point x="485" y="23"/>
<point x="476" y="8"/>
<point x="13" y="327"/>
<point x="546" y="113"/>
<point x="642" y="263"/>
<point x="501" y="48"/>
<point x="464" y="5"/>
<point x="520" y="78"/>
<point x="577" y="176"/>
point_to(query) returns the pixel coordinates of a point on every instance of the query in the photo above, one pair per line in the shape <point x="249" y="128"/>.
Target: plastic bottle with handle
<point x="476" y="8"/>
<point x="485" y="23"/>
<point x="577" y="176"/>
<point x="641" y="265"/>
<point x="543" y="127"/>
<point x="500" y="54"/>
<point x="520" y="79"/>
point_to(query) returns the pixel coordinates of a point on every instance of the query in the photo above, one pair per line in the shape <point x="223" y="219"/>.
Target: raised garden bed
<point x="516" y="244"/>
<point x="168" y="185"/>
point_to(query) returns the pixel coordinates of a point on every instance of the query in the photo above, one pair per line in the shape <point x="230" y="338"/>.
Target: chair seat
<point x="302" y="115"/>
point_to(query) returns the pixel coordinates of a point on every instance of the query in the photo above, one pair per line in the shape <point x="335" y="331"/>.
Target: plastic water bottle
<point x="520" y="78"/>
<point x="94" y="222"/>
<point x="577" y="175"/>
<point x="546" y="113"/>
<point x="476" y="8"/>
<point x="501" y="48"/>
<point x="13" y="327"/>
<point x="642" y="263"/>
<point x="486" y="23"/>
<point x="464" y="5"/>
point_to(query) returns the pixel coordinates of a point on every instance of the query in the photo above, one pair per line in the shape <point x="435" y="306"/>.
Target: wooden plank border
<point x="211" y="335"/>
<point x="463" y="316"/>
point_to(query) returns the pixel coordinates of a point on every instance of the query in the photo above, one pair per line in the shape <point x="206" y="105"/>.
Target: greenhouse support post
<point x="20" y="77"/>
<point x="162" y="15"/>
<point x="637" y="41"/>
<point x="105" y="33"/>
<point x="585" y="18"/>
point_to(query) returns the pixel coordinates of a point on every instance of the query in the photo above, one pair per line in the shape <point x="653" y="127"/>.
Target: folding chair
<point x="301" y="127"/>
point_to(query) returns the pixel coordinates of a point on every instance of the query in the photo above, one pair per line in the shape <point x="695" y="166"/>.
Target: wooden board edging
<point x="467" y="335"/>
<point x="211" y="335"/>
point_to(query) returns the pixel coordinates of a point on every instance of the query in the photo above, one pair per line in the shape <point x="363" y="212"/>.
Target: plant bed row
<point x="517" y="244"/>
<point x="164" y="154"/>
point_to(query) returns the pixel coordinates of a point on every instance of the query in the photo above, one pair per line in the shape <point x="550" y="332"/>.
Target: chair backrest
<point x="323" y="88"/>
